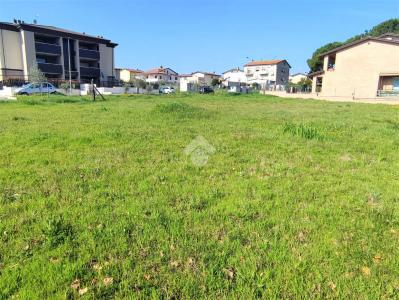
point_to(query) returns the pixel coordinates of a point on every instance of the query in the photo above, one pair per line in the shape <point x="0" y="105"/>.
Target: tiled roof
<point x="264" y="63"/>
<point x="382" y="39"/>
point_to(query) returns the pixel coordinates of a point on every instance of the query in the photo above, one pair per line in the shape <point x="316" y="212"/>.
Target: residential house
<point x="234" y="77"/>
<point x="366" y="68"/>
<point x="161" y="75"/>
<point x="59" y="53"/>
<point x="269" y="74"/>
<point x="296" y="78"/>
<point x="199" y="78"/>
<point x="128" y="75"/>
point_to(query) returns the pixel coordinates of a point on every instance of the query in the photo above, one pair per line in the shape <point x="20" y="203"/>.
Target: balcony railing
<point x="392" y="93"/>
<point x="49" y="49"/>
<point x="89" y="54"/>
<point x="50" y="68"/>
<point x="90" y="72"/>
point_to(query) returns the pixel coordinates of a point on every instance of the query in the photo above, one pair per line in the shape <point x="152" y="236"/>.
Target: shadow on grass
<point x="52" y="99"/>
<point x="182" y="110"/>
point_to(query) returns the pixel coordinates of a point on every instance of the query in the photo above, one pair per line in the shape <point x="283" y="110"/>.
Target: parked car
<point x="167" y="90"/>
<point x="36" y="88"/>
<point x="205" y="90"/>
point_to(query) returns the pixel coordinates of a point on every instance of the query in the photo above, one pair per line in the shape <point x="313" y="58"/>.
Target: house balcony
<point x="50" y="68"/>
<point x="48" y="49"/>
<point x="89" y="54"/>
<point x="91" y="72"/>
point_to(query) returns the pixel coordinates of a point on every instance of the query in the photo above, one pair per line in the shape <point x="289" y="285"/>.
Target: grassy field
<point x="299" y="199"/>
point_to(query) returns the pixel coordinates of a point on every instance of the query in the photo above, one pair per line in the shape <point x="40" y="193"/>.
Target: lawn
<point x="288" y="199"/>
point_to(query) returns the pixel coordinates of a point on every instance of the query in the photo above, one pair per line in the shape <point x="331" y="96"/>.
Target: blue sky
<point x="209" y="35"/>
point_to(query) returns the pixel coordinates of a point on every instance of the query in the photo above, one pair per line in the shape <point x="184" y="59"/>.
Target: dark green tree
<point x="215" y="81"/>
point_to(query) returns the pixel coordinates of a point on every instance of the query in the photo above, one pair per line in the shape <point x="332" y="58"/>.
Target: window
<point x="40" y="60"/>
<point x="331" y="62"/>
<point x="175" y="78"/>
<point x="156" y="76"/>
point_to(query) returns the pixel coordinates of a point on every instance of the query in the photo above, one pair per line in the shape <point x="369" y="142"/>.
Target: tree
<point x="305" y="84"/>
<point x="140" y="83"/>
<point x="215" y="81"/>
<point x="315" y="63"/>
<point x="35" y="75"/>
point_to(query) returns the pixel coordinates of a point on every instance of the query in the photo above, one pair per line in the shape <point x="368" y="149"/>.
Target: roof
<point x="45" y="29"/>
<point x="196" y="72"/>
<point x="233" y="70"/>
<point x="296" y="74"/>
<point x="161" y="70"/>
<point x="206" y="73"/>
<point x="265" y="62"/>
<point x="130" y="70"/>
<point x="381" y="39"/>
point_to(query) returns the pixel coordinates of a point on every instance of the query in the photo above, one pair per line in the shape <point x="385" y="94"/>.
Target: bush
<point x="302" y="130"/>
<point x="57" y="231"/>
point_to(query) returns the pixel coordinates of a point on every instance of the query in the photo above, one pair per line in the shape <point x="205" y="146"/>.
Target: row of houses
<point x="272" y="74"/>
<point x="367" y="68"/>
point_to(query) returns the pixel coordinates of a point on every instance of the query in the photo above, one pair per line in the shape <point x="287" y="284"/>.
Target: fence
<point x="20" y="80"/>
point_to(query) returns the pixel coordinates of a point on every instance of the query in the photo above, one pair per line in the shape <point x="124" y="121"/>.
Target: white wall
<point x="234" y="76"/>
<point x="28" y="50"/>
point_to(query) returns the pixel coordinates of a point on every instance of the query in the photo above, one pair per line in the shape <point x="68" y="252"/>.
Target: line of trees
<point x="315" y="63"/>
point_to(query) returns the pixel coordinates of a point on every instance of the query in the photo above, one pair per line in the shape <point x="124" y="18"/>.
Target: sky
<point x="208" y="35"/>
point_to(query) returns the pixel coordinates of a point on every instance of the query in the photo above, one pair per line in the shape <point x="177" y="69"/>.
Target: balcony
<point x="90" y="72"/>
<point x="89" y="54"/>
<point x="48" y="49"/>
<point x="50" y="68"/>
<point x="388" y="93"/>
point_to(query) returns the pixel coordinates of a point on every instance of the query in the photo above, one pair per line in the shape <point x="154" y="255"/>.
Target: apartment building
<point x="128" y="75"/>
<point x="161" y="75"/>
<point x="59" y="53"/>
<point x="367" y="68"/>
<point x="269" y="74"/>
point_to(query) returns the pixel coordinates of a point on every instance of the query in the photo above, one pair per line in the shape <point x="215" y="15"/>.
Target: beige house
<point x="59" y="53"/>
<point x="367" y="68"/>
<point x="296" y="78"/>
<point x="269" y="74"/>
<point x="128" y="75"/>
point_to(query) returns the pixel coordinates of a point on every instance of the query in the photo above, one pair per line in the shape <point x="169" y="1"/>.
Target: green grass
<point x="299" y="200"/>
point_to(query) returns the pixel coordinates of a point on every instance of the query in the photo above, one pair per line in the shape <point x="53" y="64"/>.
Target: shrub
<point x="302" y="130"/>
<point x="57" y="231"/>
